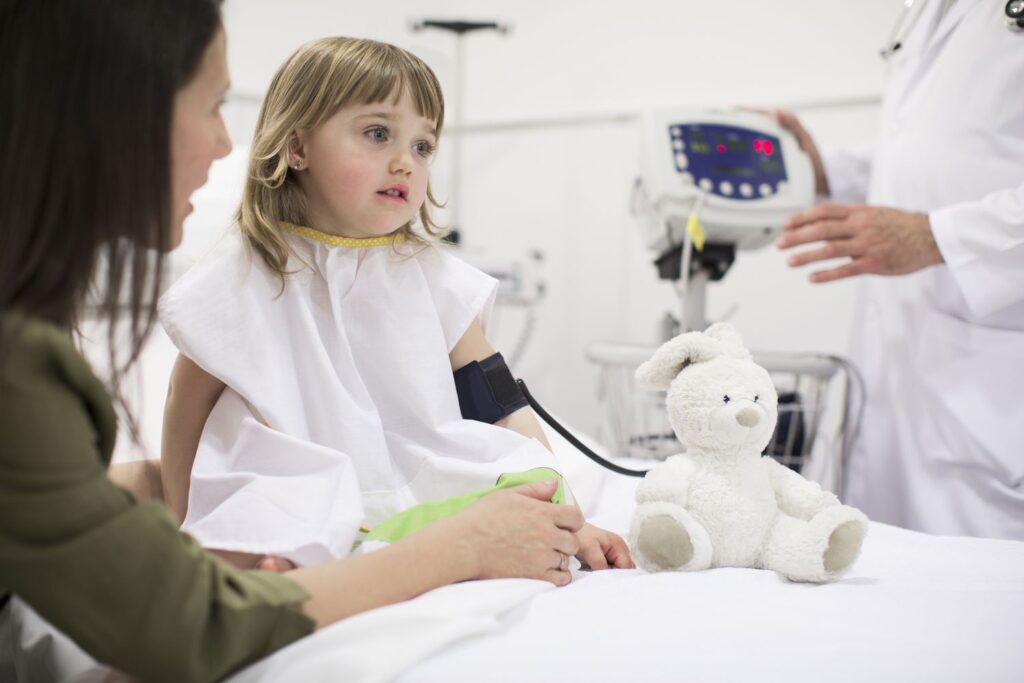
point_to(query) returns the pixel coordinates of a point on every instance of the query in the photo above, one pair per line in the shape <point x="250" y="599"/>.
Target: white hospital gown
<point x="340" y="408"/>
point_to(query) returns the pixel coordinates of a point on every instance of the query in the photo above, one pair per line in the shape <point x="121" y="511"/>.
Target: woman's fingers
<point x="541" y="490"/>
<point x="566" y="543"/>
<point x="567" y="517"/>
<point x="559" y="578"/>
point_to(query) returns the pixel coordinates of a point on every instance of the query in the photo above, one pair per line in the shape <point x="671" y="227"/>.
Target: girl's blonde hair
<point x="320" y="78"/>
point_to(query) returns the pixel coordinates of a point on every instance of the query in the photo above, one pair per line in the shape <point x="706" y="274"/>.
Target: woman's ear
<point x="297" y="150"/>
<point x="674" y="355"/>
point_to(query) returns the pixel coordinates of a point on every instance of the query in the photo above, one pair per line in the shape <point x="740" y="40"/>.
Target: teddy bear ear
<point x="729" y="337"/>
<point x="674" y="355"/>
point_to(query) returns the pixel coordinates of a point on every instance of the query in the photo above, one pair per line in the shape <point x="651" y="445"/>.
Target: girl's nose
<point x="402" y="163"/>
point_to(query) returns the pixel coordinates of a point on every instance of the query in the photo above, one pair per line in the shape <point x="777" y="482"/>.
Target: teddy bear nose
<point x="748" y="417"/>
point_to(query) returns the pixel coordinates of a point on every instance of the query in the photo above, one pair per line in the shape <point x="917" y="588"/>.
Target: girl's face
<point x="364" y="171"/>
<point x="198" y="135"/>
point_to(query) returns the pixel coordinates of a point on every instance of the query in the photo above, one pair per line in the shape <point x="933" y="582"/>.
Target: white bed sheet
<point x="914" y="608"/>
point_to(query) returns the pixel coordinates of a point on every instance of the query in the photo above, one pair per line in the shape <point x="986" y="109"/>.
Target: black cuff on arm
<point x="487" y="391"/>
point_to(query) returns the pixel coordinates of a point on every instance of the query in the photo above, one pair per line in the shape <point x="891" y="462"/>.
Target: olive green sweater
<point x="113" y="573"/>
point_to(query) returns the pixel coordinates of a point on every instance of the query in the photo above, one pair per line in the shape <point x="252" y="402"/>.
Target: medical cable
<point x="568" y="436"/>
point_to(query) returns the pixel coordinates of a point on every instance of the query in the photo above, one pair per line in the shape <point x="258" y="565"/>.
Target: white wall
<point x="564" y="189"/>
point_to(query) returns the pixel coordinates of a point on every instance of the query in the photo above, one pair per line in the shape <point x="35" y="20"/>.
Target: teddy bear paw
<point x="665" y="537"/>
<point x="845" y="539"/>
<point x="664" y="542"/>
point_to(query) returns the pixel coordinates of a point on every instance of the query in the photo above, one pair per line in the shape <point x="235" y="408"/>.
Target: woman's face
<point x="198" y="135"/>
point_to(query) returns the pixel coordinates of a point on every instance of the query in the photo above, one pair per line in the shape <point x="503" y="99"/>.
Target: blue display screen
<point x="738" y="163"/>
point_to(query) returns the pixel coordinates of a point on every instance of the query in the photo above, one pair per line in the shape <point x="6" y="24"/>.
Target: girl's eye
<point x="424" y="148"/>
<point x="378" y="134"/>
<point x="726" y="399"/>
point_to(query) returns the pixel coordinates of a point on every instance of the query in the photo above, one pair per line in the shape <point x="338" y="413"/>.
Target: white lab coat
<point x="941" y="443"/>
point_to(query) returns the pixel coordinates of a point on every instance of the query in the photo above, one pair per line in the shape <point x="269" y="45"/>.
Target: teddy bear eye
<point x="756" y="396"/>
<point x="726" y="399"/>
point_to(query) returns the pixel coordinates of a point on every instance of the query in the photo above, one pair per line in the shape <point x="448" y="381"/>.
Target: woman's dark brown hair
<point x="87" y="93"/>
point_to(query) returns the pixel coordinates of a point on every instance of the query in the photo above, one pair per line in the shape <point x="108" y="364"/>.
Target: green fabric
<point x="115" y="574"/>
<point x="412" y="520"/>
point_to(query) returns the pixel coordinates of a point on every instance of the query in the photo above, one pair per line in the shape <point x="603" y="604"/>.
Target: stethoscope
<point x="1013" y="17"/>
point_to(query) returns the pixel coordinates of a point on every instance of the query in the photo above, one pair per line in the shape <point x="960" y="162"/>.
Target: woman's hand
<point x="601" y="549"/>
<point x="273" y="563"/>
<point x="519" y="533"/>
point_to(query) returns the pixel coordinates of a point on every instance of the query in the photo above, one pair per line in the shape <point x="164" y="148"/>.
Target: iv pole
<point x="460" y="29"/>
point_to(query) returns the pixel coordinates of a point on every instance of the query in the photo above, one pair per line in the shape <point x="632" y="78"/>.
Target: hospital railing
<point x="817" y="411"/>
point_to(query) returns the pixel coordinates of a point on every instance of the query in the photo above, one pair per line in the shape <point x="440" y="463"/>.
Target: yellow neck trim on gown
<point x="337" y="241"/>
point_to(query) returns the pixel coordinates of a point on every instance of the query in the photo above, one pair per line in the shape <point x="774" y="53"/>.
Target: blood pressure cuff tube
<point x="487" y="391"/>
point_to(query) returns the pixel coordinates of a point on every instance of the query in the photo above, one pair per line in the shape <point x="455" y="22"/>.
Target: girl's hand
<point x="519" y="533"/>
<point x="273" y="563"/>
<point x="601" y="549"/>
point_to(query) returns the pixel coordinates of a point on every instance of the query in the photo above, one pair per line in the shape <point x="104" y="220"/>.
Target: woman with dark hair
<point x="109" y="119"/>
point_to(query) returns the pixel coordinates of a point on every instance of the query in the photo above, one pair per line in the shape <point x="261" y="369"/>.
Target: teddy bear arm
<point x="668" y="482"/>
<point x="795" y="495"/>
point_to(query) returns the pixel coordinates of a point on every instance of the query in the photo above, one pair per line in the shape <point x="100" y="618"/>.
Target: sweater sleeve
<point x="114" y="574"/>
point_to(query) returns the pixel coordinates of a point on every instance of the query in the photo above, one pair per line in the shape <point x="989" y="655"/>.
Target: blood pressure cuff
<point x="487" y="392"/>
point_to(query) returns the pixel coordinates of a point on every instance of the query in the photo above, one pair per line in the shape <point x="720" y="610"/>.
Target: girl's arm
<point x="599" y="548"/>
<point x="473" y="346"/>
<point x="141" y="478"/>
<point x="191" y="395"/>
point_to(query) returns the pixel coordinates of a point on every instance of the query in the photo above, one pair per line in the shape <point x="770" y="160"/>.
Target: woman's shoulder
<point x="48" y="391"/>
<point x="34" y="346"/>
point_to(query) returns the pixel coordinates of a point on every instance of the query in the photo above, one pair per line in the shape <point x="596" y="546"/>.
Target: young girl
<point x="318" y="347"/>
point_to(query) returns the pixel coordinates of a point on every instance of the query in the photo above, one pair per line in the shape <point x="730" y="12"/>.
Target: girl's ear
<point x="297" y="150"/>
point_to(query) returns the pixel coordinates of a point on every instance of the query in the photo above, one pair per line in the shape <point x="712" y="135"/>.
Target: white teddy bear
<point x="721" y="504"/>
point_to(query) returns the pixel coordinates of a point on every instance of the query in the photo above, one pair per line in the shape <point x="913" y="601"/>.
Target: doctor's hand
<point x="791" y="123"/>
<point x="875" y="240"/>
<point x="520" y="533"/>
<point x="601" y="549"/>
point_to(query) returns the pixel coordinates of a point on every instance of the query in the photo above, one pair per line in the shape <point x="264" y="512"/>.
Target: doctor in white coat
<point x="938" y="333"/>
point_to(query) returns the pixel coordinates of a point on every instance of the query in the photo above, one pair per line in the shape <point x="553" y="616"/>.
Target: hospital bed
<point x="914" y="607"/>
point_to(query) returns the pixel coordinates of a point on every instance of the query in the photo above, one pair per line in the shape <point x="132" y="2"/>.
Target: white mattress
<point x="914" y="608"/>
